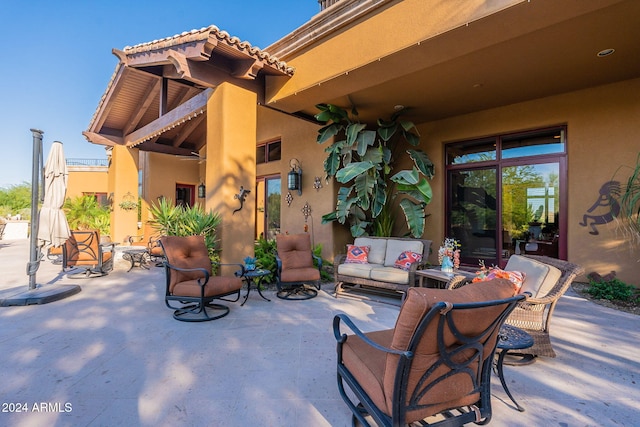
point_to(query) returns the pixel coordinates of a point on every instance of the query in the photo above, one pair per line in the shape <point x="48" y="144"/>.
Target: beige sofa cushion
<point x="539" y="277"/>
<point x="390" y="275"/>
<point x="377" y="251"/>
<point x="396" y="247"/>
<point x="362" y="271"/>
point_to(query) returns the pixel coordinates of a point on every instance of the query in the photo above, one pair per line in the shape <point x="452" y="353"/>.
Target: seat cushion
<point x="539" y="277"/>
<point x="377" y="248"/>
<point x="368" y="366"/>
<point x="217" y="285"/>
<point x="362" y="271"/>
<point x="397" y="246"/>
<point x="390" y="274"/>
<point x="305" y="274"/>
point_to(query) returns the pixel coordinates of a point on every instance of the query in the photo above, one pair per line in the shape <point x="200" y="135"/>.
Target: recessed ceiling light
<point x="398" y="107"/>
<point x="605" y="52"/>
<point x="478" y="85"/>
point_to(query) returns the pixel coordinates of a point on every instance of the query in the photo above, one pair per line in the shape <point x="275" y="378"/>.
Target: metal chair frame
<point x="442" y="312"/>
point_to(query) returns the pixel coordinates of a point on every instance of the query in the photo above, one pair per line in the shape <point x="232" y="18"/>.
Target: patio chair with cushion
<point x="190" y="281"/>
<point x="83" y="251"/>
<point x="434" y="366"/>
<point x="295" y="270"/>
<point x="151" y="240"/>
<point x="547" y="279"/>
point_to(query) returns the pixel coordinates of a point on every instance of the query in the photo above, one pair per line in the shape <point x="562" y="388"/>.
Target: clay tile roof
<point x="203" y="34"/>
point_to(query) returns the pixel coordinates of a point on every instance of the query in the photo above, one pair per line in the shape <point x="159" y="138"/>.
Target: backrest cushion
<point x="416" y="305"/>
<point x="397" y="246"/>
<point x="294" y="250"/>
<point x="407" y="258"/>
<point x="357" y="254"/>
<point x="377" y="248"/>
<point x="186" y="252"/>
<point x="539" y="277"/>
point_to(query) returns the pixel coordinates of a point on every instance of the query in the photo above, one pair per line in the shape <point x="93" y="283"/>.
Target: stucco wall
<point x="603" y="125"/>
<point x="299" y="141"/>
<point x="162" y="172"/>
<point x="87" y="181"/>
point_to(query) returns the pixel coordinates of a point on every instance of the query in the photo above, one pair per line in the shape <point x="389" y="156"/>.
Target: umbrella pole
<point x="36" y="173"/>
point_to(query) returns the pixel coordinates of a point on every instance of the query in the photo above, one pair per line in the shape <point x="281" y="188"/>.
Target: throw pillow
<point x="407" y="258"/>
<point x="516" y="277"/>
<point x="357" y="254"/>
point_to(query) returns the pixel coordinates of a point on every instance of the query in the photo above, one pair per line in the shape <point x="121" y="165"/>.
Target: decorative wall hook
<point x="241" y="196"/>
<point x="317" y="183"/>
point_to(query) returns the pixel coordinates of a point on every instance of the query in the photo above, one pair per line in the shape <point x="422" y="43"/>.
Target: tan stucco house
<point x="523" y="106"/>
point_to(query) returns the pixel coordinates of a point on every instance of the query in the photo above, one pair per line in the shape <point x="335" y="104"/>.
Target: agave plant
<point x="363" y="161"/>
<point x="171" y="220"/>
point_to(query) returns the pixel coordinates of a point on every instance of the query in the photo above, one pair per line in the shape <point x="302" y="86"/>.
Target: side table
<point x="442" y="280"/>
<point x="510" y="338"/>
<point x="137" y="255"/>
<point x="255" y="277"/>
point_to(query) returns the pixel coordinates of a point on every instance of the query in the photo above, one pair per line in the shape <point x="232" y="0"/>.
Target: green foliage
<point x="265" y="252"/>
<point x="629" y="198"/>
<point x="180" y="220"/>
<point x="85" y="213"/>
<point x="614" y="289"/>
<point x="325" y="276"/>
<point x="16" y="199"/>
<point x="362" y="160"/>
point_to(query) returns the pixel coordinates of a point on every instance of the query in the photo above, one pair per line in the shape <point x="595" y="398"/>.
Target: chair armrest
<point x="341" y="338"/>
<point x="339" y="259"/>
<point x="107" y="247"/>
<point x="205" y="273"/>
<point x="237" y="266"/>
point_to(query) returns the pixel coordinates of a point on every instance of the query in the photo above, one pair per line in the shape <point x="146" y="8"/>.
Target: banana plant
<point x="361" y="159"/>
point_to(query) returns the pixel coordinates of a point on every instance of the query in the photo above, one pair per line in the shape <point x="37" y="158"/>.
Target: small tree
<point x="85" y="213"/>
<point x="363" y="159"/>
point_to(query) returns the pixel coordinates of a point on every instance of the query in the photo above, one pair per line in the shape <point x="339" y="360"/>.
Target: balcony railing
<point x="326" y="3"/>
<point x="87" y="162"/>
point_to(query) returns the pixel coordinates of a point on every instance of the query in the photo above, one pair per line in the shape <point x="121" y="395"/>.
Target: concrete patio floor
<point x="113" y="355"/>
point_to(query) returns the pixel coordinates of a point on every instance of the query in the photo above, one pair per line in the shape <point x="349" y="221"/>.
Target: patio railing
<point x="326" y="3"/>
<point x="87" y="162"/>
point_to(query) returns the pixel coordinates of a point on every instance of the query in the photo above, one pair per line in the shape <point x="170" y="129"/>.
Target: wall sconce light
<point x="202" y="191"/>
<point x="294" y="178"/>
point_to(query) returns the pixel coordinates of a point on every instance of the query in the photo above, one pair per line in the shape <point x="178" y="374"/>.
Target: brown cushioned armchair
<point x="295" y="269"/>
<point x="83" y="256"/>
<point x="434" y="365"/>
<point x="191" y="283"/>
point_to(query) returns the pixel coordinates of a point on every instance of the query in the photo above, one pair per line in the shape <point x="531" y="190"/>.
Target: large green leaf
<point x="406" y="177"/>
<point x="332" y="163"/>
<point x="379" y="199"/>
<point x="352" y="170"/>
<point x="364" y="188"/>
<point x="353" y="130"/>
<point x="373" y="155"/>
<point x="414" y="214"/>
<point x="365" y="139"/>
<point x="407" y="125"/>
<point x="422" y="162"/>
<point x="330" y="217"/>
<point x="411" y="138"/>
<point x="387" y="132"/>
<point x="328" y="131"/>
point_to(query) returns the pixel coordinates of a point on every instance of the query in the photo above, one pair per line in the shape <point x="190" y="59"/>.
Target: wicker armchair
<point x="534" y="314"/>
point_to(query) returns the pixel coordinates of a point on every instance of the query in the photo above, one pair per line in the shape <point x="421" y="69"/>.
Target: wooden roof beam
<point x="152" y="91"/>
<point x="187" y="111"/>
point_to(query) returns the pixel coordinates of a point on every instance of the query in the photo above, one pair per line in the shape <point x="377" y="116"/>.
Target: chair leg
<point x="199" y="313"/>
<point x="297" y="293"/>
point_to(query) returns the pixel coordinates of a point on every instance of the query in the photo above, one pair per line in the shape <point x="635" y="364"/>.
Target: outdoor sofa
<point x="382" y="268"/>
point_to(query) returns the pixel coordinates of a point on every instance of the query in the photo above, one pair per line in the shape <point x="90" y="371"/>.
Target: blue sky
<point x="57" y="60"/>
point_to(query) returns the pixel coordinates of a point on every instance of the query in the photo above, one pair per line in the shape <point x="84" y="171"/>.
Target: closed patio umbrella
<point x="53" y="226"/>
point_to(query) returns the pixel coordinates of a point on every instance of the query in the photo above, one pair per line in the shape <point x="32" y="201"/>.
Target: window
<point x="101" y="198"/>
<point x="268" y="152"/>
<point x="505" y="195"/>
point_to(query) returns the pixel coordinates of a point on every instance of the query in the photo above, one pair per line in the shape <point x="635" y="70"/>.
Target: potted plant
<point x="362" y="159"/>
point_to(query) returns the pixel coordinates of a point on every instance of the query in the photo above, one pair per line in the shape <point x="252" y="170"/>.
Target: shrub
<point x="265" y="252"/>
<point x="614" y="289"/>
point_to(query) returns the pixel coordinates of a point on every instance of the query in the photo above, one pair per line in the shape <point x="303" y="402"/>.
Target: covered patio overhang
<point x="445" y="59"/>
<point x="157" y="97"/>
